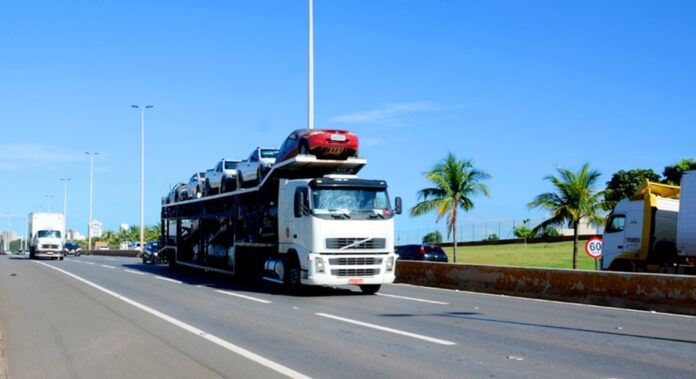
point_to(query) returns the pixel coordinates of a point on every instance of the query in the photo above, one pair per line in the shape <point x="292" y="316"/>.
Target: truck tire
<point x="259" y="175"/>
<point x="370" y="289"/>
<point x="32" y="255"/>
<point x="293" y="273"/>
<point x="621" y="265"/>
<point x="240" y="181"/>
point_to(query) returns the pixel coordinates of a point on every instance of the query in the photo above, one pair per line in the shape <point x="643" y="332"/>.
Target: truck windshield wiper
<point x="339" y="214"/>
<point x="376" y="215"/>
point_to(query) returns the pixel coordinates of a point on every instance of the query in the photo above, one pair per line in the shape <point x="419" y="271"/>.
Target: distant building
<point x="584" y="228"/>
<point x="74" y="235"/>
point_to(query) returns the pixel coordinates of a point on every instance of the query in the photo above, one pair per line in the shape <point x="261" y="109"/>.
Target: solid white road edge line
<point x="189" y="328"/>
<point x="413" y="299"/>
<point x="134" y="272"/>
<point x="390" y="330"/>
<point x="244" y="296"/>
<point x="107" y="266"/>
<point x="546" y="301"/>
<point x="168" y="280"/>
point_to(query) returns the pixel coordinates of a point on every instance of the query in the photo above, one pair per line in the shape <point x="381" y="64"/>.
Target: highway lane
<point x="404" y="332"/>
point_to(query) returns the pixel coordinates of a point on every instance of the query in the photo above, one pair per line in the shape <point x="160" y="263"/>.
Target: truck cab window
<point x="616" y="223"/>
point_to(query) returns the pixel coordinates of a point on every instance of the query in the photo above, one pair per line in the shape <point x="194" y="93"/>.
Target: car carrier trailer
<point x="308" y="222"/>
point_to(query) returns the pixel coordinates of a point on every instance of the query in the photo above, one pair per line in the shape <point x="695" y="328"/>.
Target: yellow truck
<point x="653" y="230"/>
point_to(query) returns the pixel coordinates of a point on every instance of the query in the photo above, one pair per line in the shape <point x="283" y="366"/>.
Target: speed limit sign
<point x="593" y="247"/>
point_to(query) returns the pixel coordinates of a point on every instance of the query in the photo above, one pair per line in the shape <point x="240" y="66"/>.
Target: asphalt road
<point x="88" y="317"/>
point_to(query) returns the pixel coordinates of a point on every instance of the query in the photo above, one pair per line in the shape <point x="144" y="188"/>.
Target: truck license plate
<point x="355" y="281"/>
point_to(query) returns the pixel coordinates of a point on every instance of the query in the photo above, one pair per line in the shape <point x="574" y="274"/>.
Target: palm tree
<point x="454" y="183"/>
<point x="575" y="199"/>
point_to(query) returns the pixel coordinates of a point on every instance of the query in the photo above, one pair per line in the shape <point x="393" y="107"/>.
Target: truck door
<point x="613" y="239"/>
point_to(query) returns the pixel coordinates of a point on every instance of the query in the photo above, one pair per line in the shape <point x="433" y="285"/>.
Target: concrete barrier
<point x="664" y="293"/>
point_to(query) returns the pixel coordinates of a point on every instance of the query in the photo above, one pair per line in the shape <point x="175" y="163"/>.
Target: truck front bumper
<point x="353" y="269"/>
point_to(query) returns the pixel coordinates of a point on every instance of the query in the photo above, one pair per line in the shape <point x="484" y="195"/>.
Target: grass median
<point x="542" y="254"/>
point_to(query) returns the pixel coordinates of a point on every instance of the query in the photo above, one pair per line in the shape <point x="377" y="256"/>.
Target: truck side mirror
<point x="397" y="205"/>
<point x="299" y="203"/>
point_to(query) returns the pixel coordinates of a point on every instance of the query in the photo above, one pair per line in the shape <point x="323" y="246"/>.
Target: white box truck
<point x="46" y="235"/>
<point x="653" y="230"/>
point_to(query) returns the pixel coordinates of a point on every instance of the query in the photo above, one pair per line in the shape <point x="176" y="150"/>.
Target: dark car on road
<point x="430" y="253"/>
<point x="71" y="248"/>
<point x="151" y="252"/>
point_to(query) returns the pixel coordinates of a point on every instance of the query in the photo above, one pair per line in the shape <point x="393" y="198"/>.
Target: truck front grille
<point x="355" y="243"/>
<point x="355" y="272"/>
<point x="357" y="261"/>
<point x="49" y="246"/>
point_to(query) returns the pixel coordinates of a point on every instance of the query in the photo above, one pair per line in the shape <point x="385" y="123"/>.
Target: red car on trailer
<point x="322" y="143"/>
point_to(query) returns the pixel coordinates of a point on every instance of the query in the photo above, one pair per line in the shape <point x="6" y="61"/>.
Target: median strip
<point x="389" y="330"/>
<point x="190" y="328"/>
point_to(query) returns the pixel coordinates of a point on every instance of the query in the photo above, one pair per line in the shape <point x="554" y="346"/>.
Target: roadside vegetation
<point x="542" y="255"/>
<point x="575" y="198"/>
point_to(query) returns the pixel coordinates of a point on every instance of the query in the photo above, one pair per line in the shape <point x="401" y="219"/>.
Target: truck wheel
<point x="292" y="279"/>
<point x="144" y="260"/>
<point x="259" y="174"/>
<point x="621" y="265"/>
<point x="61" y="258"/>
<point x="240" y="181"/>
<point x="370" y="289"/>
<point x="31" y="254"/>
<point x="223" y="186"/>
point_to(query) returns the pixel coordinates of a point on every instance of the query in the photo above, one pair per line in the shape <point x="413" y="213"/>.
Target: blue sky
<point x="519" y="87"/>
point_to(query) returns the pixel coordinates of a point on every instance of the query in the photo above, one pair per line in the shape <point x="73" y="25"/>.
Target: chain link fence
<point x="481" y="231"/>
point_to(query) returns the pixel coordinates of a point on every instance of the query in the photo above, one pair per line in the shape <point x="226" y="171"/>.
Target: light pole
<point x="310" y="90"/>
<point x="49" y="197"/>
<point x="91" y="187"/>
<point x="65" y="205"/>
<point x="142" y="172"/>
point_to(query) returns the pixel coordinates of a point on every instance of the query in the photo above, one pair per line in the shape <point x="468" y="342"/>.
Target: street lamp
<point x="142" y="171"/>
<point x="65" y="205"/>
<point x="49" y="197"/>
<point x="91" y="187"/>
<point x="310" y="89"/>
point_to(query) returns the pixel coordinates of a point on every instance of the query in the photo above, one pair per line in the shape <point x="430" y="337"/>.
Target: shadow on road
<point x="219" y="281"/>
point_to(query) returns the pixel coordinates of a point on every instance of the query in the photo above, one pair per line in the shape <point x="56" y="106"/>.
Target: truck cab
<point x="640" y="233"/>
<point x="340" y="229"/>
<point x="47" y="243"/>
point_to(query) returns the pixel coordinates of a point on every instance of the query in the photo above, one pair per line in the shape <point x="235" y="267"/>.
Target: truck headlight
<point x="319" y="264"/>
<point x="390" y="263"/>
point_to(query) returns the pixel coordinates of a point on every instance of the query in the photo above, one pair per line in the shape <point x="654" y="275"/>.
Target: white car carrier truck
<point x="654" y="230"/>
<point x="309" y="222"/>
<point x="46" y="235"/>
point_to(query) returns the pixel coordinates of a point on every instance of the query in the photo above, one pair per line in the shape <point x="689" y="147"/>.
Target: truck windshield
<point x="350" y="201"/>
<point x="230" y="165"/>
<point x="48" y="234"/>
